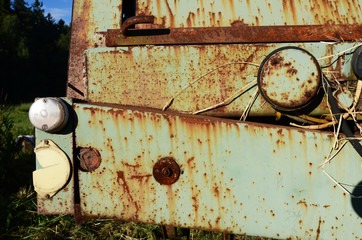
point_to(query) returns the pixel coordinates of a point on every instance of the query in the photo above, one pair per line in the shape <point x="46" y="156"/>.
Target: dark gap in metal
<point x="75" y="89"/>
<point x="128" y="10"/>
<point x="148" y="32"/>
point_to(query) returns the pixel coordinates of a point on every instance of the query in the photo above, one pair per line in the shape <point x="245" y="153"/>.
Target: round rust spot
<point x="166" y="171"/>
<point x="89" y="159"/>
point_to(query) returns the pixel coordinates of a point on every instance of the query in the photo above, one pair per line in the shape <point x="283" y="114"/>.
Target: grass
<point x="19" y="115"/>
<point x="18" y="216"/>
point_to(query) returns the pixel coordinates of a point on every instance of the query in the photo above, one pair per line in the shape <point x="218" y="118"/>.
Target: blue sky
<point x="59" y="9"/>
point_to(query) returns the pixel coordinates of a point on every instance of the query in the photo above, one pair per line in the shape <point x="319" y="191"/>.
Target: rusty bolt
<point x="89" y="159"/>
<point x="46" y="141"/>
<point x="166" y="171"/>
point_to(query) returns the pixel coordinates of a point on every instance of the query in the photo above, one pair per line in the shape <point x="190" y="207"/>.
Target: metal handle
<point x="136" y="20"/>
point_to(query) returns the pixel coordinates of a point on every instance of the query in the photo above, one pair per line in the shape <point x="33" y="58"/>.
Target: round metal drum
<point x="289" y="79"/>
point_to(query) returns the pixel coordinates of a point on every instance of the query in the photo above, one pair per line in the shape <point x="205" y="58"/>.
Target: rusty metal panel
<point x="63" y="201"/>
<point x="215" y="13"/>
<point x="88" y="17"/>
<point x="239" y="177"/>
<point x="149" y="76"/>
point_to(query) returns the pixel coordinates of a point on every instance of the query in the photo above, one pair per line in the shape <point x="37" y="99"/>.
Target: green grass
<point x="18" y="211"/>
<point x="19" y="115"/>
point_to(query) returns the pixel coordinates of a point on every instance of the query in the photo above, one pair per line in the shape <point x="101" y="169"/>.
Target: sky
<point x="59" y="9"/>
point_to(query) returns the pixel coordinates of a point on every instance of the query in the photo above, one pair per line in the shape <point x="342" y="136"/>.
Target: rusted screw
<point x="47" y="196"/>
<point x="167" y="172"/>
<point x="89" y="159"/>
<point x="46" y="141"/>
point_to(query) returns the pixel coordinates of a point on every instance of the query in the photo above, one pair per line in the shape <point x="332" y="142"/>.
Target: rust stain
<point x="196" y="121"/>
<point x="292" y="71"/>
<point x="303" y="203"/>
<point x="141" y="177"/>
<point x="132" y="165"/>
<point x="272" y="213"/>
<point x="190" y="160"/>
<point x="319" y="228"/>
<point x="172" y="19"/>
<point x="121" y="180"/>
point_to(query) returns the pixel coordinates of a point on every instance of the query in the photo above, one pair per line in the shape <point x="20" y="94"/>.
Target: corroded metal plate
<point x="289" y="78"/>
<point x="239" y="177"/>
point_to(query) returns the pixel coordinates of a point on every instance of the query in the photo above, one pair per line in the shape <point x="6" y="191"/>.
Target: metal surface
<point x="63" y="201"/>
<point x="236" y="177"/>
<point x="166" y="171"/>
<point x="89" y="17"/>
<point x="135" y="20"/>
<point x="89" y="159"/>
<point x="255" y="34"/>
<point x="215" y="13"/>
<point x="289" y="78"/>
<point x="123" y="75"/>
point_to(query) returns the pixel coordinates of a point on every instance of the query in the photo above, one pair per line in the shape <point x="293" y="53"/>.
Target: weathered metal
<point x="122" y="75"/>
<point x="89" y="17"/>
<point x="89" y="159"/>
<point x="63" y="201"/>
<point x="217" y="35"/>
<point x="166" y="171"/>
<point x="214" y="13"/>
<point x="202" y="172"/>
<point x="235" y="177"/>
<point x="135" y="20"/>
<point x="289" y="79"/>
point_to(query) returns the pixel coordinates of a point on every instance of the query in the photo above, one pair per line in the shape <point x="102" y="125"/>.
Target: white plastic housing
<point x="55" y="169"/>
<point x="48" y="114"/>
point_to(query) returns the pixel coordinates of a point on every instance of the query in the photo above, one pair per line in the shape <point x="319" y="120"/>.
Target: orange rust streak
<point x="140" y="177"/>
<point x="120" y="176"/>
<point x="196" y="121"/>
<point x="319" y="228"/>
<point x="191" y="159"/>
<point x="132" y="166"/>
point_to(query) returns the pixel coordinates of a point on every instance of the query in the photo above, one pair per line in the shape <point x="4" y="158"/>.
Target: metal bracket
<point x="217" y="35"/>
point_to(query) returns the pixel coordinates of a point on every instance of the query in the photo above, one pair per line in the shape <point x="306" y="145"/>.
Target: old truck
<point x="234" y="116"/>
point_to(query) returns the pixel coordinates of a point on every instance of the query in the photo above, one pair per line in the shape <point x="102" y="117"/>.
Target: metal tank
<point x="233" y="116"/>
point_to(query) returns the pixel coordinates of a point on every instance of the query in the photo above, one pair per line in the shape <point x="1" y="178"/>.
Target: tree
<point x="33" y="52"/>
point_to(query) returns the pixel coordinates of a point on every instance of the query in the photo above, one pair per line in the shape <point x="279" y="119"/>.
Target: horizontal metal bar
<point x="244" y="34"/>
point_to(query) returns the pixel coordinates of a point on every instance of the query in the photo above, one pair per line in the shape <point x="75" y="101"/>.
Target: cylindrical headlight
<point x="49" y="114"/>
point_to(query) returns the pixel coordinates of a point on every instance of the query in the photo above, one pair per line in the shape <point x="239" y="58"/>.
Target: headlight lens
<point x="49" y="114"/>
